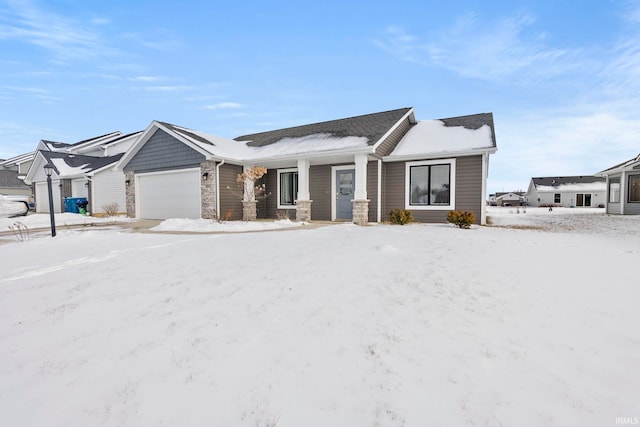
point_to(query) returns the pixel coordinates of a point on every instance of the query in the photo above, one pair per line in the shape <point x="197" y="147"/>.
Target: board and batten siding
<point x="228" y="186"/>
<point x="387" y="146"/>
<point x="468" y="190"/>
<point x="163" y="152"/>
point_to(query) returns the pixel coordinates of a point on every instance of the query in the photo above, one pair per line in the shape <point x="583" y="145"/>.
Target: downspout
<point x="218" y="188"/>
<point x="483" y="201"/>
<point x="379" y="209"/>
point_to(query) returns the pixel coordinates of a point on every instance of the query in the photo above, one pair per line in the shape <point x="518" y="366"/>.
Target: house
<point x="12" y="173"/>
<point x="352" y="169"/>
<point x="83" y="169"/>
<point x="516" y="198"/>
<point x="567" y="191"/>
<point x="623" y="187"/>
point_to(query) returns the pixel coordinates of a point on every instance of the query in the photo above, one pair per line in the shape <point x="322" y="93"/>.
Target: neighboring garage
<point x="170" y="194"/>
<point x="42" y="197"/>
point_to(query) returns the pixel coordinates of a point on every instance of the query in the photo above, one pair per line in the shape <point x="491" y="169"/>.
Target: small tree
<point x="249" y="191"/>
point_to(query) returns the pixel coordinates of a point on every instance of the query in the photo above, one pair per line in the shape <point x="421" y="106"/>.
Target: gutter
<point x="440" y="155"/>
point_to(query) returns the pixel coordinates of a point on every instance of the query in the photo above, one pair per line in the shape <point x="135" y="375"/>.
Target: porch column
<point x="360" y="201"/>
<point x="303" y="202"/>
<point x="623" y="191"/>
<point x="249" y="212"/>
<point x="208" y="187"/>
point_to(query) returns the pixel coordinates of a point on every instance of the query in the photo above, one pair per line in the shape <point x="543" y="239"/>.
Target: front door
<point x="344" y="193"/>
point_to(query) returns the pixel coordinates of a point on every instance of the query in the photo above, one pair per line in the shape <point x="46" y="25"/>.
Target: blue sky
<point x="562" y="78"/>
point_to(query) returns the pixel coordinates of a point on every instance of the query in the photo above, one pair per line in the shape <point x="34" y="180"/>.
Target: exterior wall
<point x="108" y="187"/>
<point x="228" y="200"/>
<point x="568" y="198"/>
<point x="372" y="190"/>
<point x="629" y="207"/>
<point x="468" y="190"/>
<point x="208" y="190"/>
<point x="164" y="152"/>
<point x="23" y="168"/>
<point x="268" y="208"/>
<point x="387" y="146"/>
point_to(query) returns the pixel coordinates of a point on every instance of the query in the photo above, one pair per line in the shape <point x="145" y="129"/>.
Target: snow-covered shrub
<point x="400" y="216"/>
<point x="462" y="219"/>
<point x="111" y="209"/>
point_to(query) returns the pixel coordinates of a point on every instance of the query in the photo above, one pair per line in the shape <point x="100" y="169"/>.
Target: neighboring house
<point x="353" y="169"/>
<point x="567" y="191"/>
<point x="12" y="173"/>
<point x="510" y="199"/>
<point x="84" y="169"/>
<point x="623" y="187"/>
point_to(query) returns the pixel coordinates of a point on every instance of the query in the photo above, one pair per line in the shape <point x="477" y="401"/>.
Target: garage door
<point x="42" y="197"/>
<point x="174" y="194"/>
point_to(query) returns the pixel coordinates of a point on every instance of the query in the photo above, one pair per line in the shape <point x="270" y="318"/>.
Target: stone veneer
<point x="249" y="212"/>
<point x="303" y="210"/>
<point x="360" y="212"/>
<point x="130" y="190"/>
<point x="208" y="201"/>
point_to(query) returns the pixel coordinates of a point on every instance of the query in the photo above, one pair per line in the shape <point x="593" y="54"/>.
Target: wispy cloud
<point x="224" y="106"/>
<point x="147" y="79"/>
<point x="64" y="38"/>
<point x="166" y="88"/>
<point x="506" y="48"/>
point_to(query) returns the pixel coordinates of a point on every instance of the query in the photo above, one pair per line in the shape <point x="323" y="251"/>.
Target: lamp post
<point x="48" y="169"/>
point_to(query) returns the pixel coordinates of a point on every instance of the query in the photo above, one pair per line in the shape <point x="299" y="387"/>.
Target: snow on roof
<point x="64" y="169"/>
<point x="574" y="186"/>
<point x="433" y="136"/>
<point x="239" y="150"/>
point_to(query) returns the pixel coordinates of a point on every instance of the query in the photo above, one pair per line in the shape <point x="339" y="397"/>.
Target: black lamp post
<point x="48" y="169"/>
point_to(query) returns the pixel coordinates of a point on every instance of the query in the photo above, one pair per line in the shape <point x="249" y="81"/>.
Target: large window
<point x="614" y="190"/>
<point x="287" y="187"/>
<point x="634" y="188"/>
<point x="431" y="185"/>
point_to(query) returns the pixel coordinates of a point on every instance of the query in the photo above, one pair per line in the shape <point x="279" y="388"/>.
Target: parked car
<point x="10" y="208"/>
<point x="27" y="200"/>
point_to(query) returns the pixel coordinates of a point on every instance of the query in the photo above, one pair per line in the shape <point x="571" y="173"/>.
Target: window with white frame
<point x="431" y="184"/>
<point x="287" y="188"/>
<point x="634" y="188"/>
<point x="614" y="190"/>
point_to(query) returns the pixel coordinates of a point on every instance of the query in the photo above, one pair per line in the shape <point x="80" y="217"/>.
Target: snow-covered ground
<point x="335" y="326"/>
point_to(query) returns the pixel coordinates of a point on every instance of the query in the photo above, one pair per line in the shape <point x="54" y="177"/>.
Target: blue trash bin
<point x="70" y="204"/>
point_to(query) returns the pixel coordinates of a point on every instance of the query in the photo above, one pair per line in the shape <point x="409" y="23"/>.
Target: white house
<point x="567" y="191"/>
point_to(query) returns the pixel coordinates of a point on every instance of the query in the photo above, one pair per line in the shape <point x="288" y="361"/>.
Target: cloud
<point x="506" y="48"/>
<point x="224" y="106"/>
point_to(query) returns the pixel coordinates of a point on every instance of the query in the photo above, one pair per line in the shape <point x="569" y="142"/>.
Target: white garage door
<point x="174" y="194"/>
<point x="42" y="197"/>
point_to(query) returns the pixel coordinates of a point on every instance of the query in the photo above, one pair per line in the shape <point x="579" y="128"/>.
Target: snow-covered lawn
<point x="336" y="326"/>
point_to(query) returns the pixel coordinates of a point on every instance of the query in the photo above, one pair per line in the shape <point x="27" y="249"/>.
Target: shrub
<point x="400" y="216"/>
<point x="462" y="219"/>
<point x="111" y="209"/>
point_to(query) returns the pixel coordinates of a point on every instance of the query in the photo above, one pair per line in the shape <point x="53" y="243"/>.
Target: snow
<point x="423" y="324"/>
<point x="35" y="221"/>
<point x="209" y="226"/>
<point x="432" y="136"/>
<point x="574" y="186"/>
<point x="65" y="170"/>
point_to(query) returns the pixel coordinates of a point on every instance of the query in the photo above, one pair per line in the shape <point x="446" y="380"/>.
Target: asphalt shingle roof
<point x="474" y="121"/>
<point x="90" y="163"/>
<point x="9" y="179"/>
<point x="561" y="180"/>
<point x="371" y="126"/>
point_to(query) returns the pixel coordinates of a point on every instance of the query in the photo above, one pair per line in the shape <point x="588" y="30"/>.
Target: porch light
<point x="205" y="175"/>
<point x="48" y="170"/>
<point x="127" y="182"/>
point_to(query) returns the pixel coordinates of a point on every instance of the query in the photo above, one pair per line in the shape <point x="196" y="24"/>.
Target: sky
<point x="562" y="79"/>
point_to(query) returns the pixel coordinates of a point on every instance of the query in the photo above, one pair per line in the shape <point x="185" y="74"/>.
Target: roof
<point x="569" y="183"/>
<point x="18" y="159"/>
<point x="621" y="166"/>
<point x="370" y="126"/>
<point x="67" y="165"/>
<point x="445" y="136"/>
<point x="9" y="178"/>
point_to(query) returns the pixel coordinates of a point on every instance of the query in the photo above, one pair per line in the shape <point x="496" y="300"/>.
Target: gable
<point x="162" y="151"/>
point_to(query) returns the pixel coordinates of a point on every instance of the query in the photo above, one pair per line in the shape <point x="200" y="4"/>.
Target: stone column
<point x="130" y="191"/>
<point x="360" y="212"/>
<point x="208" y="189"/>
<point x="303" y="210"/>
<point x="249" y="212"/>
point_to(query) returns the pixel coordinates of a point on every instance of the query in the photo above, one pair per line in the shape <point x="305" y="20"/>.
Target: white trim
<point x="218" y="166"/>
<point x="623" y="191"/>
<point x="360" y="187"/>
<point x="333" y="186"/>
<point x="485" y="176"/>
<point x="393" y="128"/>
<point x="278" y="172"/>
<point x="452" y="185"/>
<point x="441" y="155"/>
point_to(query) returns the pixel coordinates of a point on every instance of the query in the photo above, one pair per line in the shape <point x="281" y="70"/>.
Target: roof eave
<point x="440" y="155"/>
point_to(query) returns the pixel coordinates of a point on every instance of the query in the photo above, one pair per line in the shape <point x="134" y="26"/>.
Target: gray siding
<point x="630" y="208"/>
<point x="387" y="146"/>
<point x="468" y="190"/>
<point x="613" y="208"/>
<point x="229" y="200"/>
<point x="320" y="191"/>
<point x="372" y="190"/>
<point x="268" y="208"/>
<point x="163" y="152"/>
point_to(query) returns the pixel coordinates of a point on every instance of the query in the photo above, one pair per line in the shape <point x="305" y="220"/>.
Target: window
<point x="431" y="184"/>
<point x="614" y="190"/>
<point x="556" y="198"/>
<point x="634" y="188"/>
<point x="287" y="188"/>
